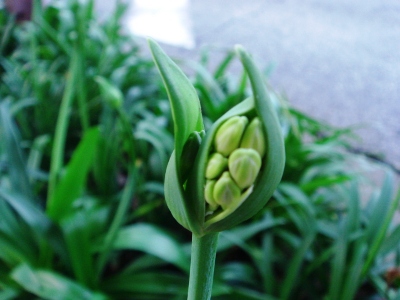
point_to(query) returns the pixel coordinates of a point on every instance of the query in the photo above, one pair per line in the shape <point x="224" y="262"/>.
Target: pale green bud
<point x="226" y="192"/>
<point x="244" y="166"/>
<point x="216" y="165"/>
<point x="112" y="95"/>
<point x="253" y="137"/>
<point x="208" y="193"/>
<point x="230" y="133"/>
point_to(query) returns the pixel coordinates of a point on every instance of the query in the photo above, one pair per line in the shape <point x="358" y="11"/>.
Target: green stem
<point x="60" y="136"/>
<point x="202" y="266"/>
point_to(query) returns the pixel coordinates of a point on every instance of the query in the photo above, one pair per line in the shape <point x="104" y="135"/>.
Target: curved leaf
<point x="152" y="240"/>
<point x="186" y="114"/>
<point x="70" y="187"/>
<point x="185" y="104"/>
<point x="50" y="285"/>
<point x="141" y="285"/>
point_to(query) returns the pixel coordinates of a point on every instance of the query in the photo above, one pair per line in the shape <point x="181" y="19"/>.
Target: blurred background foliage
<point x="86" y="134"/>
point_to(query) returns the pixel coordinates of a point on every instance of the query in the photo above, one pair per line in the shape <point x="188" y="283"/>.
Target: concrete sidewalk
<point x="338" y="61"/>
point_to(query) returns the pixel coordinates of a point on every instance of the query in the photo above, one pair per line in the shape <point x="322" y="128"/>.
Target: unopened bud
<point x="112" y="95"/>
<point x="208" y="193"/>
<point x="226" y="192"/>
<point x="244" y="166"/>
<point x="229" y="135"/>
<point x="216" y="165"/>
<point x="253" y="137"/>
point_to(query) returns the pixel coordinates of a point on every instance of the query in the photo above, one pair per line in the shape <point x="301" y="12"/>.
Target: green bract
<point x="217" y="180"/>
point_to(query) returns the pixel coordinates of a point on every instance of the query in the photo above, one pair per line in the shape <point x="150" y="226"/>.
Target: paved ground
<point x="337" y="60"/>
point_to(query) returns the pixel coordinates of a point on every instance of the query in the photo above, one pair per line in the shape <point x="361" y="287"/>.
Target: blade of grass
<point x="127" y="193"/>
<point x="9" y="294"/>
<point x="352" y="280"/>
<point x="152" y="240"/>
<point x="45" y="231"/>
<point x="245" y="232"/>
<point x="224" y="64"/>
<point x="342" y="246"/>
<point x="57" y="154"/>
<point x="161" y="284"/>
<point x="79" y="245"/>
<point x="15" y="230"/>
<point x="391" y="242"/>
<point x="13" y="254"/>
<point x="50" y="285"/>
<point x="294" y="267"/>
<point x="383" y="226"/>
<point x="70" y="186"/>
<point x="338" y="265"/>
<point x="117" y="221"/>
<point x="266" y="267"/>
<point x="83" y="17"/>
<point x="48" y="30"/>
<point x="11" y="140"/>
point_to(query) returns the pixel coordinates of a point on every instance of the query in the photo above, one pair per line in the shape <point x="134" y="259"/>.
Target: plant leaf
<point x="152" y="240"/>
<point x="49" y="285"/>
<point x="11" y="141"/>
<point x="186" y="114"/>
<point x="137" y="285"/>
<point x="185" y="104"/>
<point x="72" y="183"/>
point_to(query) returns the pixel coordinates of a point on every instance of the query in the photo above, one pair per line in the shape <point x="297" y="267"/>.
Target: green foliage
<point x="82" y="171"/>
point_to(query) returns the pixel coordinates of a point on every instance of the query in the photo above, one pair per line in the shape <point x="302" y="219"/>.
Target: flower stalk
<point x="202" y="266"/>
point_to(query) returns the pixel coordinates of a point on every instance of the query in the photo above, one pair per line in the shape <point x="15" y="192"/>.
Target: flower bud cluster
<point x="235" y="163"/>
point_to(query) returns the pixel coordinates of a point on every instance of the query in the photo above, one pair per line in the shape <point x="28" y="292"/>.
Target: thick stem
<point x="202" y="266"/>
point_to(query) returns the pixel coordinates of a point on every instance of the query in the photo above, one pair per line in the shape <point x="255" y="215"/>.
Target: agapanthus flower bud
<point x="204" y="195"/>
<point x="229" y="135"/>
<point x="253" y="137"/>
<point x="226" y="192"/>
<point x="244" y="166"/>
<point x="208" y="194"/>
<point x="239" y="170"/>
<point x="216" y="165"/>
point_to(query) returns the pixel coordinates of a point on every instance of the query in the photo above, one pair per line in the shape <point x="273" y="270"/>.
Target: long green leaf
<point x="9" y="294"/>
<point x="152" y="240"/>
<point x="11" y="141"/>
<point x="352" y="281"/>
<point x="72" y="183"/>
<point x="37" y="220"/>
<point x="391" y="242"/>
<point x="50" y="285"/>
<point x="186" y="110"/>
<point x="151" y="285"/>
<point x="338" y="263"/>
<point x="119" y="217"/>
<point x="382" y="227"/>
<point x="245" y="232"/>
<point x="187" y="117"/>
<point x="12" y="253"/>
<point x="80" y="247"/>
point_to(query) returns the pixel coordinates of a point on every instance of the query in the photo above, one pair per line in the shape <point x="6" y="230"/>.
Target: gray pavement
<point x="337" y="60"/>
